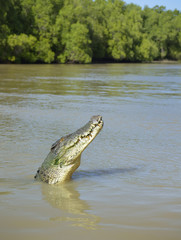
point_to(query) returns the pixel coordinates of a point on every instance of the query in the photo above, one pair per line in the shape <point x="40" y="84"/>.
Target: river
<point x="128" y="185"/>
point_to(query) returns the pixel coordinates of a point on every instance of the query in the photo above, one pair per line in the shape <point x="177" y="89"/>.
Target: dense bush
<point x="81" y="31"/>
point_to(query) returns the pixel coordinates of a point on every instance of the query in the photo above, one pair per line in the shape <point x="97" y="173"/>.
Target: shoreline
<point x="106" y="61"/>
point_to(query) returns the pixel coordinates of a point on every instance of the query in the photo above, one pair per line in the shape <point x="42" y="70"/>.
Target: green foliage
<point x="163" y="28"/>
<point x="42" y="11"/>
<point x="174" y="49"/>
<point x="97" y="25"/>
<point x="4" y="32"/>
<point x="80" y="31"/>
<point x="116" y="31"/>
<point x="22" y="48"/>
<point x="44" y="52"/>
<point x="147" y="50"/>
<point x="77" y="45"/>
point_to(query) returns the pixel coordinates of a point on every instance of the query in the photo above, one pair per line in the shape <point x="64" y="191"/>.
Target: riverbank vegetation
<point x="83" y="31"/>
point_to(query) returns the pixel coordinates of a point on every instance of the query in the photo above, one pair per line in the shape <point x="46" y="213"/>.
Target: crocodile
<point x="65" y="154"/>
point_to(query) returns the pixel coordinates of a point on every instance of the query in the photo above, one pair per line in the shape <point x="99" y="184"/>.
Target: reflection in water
<point x="66" y="198"/>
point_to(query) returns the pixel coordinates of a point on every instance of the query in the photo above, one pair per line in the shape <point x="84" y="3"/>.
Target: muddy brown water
<point x="129" y="183"/>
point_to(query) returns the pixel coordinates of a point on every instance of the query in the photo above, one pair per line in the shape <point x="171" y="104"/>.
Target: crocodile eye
<point x="54" y="145"/>
<point x="61" y="139"/>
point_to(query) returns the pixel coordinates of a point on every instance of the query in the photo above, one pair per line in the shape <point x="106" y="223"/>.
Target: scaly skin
<point x="64" y="156"/>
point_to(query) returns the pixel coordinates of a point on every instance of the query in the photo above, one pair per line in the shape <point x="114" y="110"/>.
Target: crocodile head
<point x="64" y="156"/>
